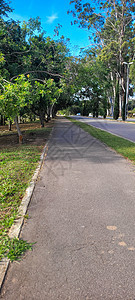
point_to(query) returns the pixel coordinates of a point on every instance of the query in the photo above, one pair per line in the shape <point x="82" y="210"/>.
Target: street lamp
<point x="127" y="89"/>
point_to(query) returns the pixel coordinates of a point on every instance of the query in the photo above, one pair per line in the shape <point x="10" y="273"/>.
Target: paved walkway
<point x="82" y="218"/>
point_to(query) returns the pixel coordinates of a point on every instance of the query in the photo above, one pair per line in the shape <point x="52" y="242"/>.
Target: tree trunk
<point x="124" y="109"/>
<point x="1" y="120"/>
<point x="9" y="125"/>
<point x="116" y="104"/>
<point x="96" y="113"/>
<point x="19" y="131"/>
<point x="121" y="60"/>
<point x="52" y="111"/>
<point x="42" y="118"/>
<point x="48" y="113"/>
<point x="19" y="119"/>
<point x="114" y="92"/>
<point x="96" y="107"/>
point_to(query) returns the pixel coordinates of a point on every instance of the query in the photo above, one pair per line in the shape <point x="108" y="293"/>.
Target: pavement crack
<point x="78" y="249"/>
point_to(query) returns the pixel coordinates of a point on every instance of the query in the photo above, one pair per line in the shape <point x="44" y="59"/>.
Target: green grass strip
<point x="17" y="166"/>
<point x="122" y="146"/>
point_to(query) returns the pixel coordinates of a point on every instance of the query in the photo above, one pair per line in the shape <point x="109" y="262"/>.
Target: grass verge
<point x="122" y="146"/>
<point x="17" y="166"/>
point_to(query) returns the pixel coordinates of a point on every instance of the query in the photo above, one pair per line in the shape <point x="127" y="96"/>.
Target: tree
<point x="23" y="52"/>
<point x="13" y="97"/>
<point x="26" y="50"/>
<point x="92" y="85"/>
<point x="43" y="98"/>
<point x="113" y="33"/>
<point x="16" y="46"/>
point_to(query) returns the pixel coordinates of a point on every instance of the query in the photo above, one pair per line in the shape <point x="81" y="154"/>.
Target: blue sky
<point x="51" y="13"/>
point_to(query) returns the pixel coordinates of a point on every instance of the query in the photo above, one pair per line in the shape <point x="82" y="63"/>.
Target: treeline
<point x="34" y="70"/>
<point x="38" y="76"/>
<point x="103" y="71"/>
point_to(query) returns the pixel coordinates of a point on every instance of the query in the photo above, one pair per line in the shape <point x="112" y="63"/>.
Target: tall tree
<point x="92" y="85"/>
<point x="113" y="33"/>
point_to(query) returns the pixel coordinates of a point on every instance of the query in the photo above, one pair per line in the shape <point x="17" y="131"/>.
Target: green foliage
<point x="65" y="112"/>
<point x="92" y="85"/>
<point x="2" y="59"/>
<point x="14" y="96"/>
<point x="44" y="96"/>
<point x="103" y="105"/>
<point x="13" y="46"/>
<point x="113" y="30"/>
<point x="132" y="70"/>
<point x="31" y="26"/>
<point x="25" y="50"/>
<point x="48" y="91"/>
<point x="74" y="109"/>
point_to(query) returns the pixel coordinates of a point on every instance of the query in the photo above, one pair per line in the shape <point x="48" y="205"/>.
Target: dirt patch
<point x="32" y="134"/>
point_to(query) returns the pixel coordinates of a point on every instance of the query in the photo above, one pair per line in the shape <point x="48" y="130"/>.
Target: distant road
<point x="125" y="130"/>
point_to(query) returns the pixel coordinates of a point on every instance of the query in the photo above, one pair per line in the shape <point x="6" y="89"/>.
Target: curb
<point x="15" y="229"/>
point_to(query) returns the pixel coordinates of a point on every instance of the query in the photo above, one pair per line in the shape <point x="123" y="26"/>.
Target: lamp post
<point x="127" y="89"/>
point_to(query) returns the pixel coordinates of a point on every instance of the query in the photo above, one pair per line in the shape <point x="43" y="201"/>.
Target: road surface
<point x="82" y="218"/>
<point x="126" y="130"/>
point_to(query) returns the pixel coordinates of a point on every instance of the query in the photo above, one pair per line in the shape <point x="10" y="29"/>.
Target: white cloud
<point x="52" y="18"/>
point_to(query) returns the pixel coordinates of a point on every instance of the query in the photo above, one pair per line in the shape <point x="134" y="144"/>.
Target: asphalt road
<point x="82" y="218"/>
<point x="126" y="130"/>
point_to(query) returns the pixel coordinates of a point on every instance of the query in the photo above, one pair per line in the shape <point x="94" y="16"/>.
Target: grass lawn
<point x="17" y="165"/>
<point x="122" y="146"/>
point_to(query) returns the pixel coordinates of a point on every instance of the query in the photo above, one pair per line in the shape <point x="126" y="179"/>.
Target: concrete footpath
<point x="82" y="218"/>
